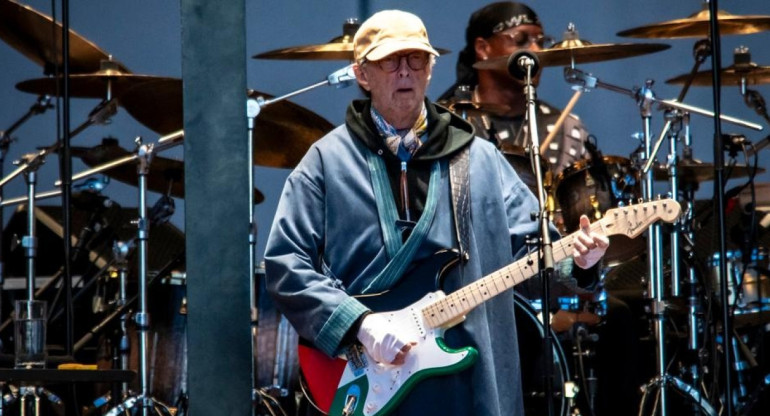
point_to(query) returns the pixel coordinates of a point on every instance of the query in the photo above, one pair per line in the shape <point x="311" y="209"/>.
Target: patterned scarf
<point x="402" y="146"/>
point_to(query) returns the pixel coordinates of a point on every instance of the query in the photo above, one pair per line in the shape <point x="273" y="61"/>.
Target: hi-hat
<point x="698" y="25"/>
<point x="38" y="38"/>
<point x="466" y="108"/>
<point x="165" y="176"/>
<point x="579" y="52"/>
<point x="753" y="74"/>
<point x="283" y="131"/>
<point x="101" y="84"/>
<point x="695" y="171"/>
<point x="338" y="49"/>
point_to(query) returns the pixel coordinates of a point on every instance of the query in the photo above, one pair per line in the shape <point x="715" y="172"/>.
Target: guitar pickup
<point x="356" y="358"/>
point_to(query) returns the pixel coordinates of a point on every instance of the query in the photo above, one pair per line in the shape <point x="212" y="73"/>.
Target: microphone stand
<point x="719" y="197"/>
<point x="341" y="78"/>
<point x="528" y="62"/>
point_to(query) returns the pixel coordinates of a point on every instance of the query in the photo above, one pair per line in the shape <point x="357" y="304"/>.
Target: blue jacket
<point x="326" y="238"/>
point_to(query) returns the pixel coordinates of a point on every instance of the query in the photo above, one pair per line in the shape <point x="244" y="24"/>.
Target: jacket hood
<point x="447" y="132"/>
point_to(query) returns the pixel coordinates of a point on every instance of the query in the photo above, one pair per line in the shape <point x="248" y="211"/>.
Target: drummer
<point x="498" y="105"/>
<point x="501" y="29"/>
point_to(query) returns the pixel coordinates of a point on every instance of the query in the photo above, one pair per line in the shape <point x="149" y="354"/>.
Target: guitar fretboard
<point x="455" y="305"/>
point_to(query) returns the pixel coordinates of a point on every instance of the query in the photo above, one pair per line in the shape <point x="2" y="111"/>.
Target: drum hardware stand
<point x="147" y="403"/>
<point x="29" y="164"/>
<point x="524" y="65"/>
<point x="645" y="98"/>
<point x="340" y="78"/>
<point x="42" y="104"/>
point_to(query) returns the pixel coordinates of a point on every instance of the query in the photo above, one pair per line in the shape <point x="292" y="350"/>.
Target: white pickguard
<point x="385" y="381"/>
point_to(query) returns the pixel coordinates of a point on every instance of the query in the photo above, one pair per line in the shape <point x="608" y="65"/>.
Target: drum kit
<point x="592" y="185"/>
<point x="589" y="186"/>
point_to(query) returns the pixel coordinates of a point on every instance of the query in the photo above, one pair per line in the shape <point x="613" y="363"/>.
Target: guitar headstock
<point x="632" y="220"/>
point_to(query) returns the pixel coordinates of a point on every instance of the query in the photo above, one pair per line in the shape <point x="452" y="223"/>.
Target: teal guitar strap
<point x="400" y="254"/>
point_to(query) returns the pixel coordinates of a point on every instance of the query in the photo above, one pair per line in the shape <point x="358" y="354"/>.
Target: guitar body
<point x="364" y="387"/>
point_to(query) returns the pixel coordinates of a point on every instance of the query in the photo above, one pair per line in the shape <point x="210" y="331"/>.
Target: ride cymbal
<point x="283" y="131"/>
<point x="732" y="75"/>
<point x="697" y="25"/>
<point x="102" y="84"/>
<point x="38" y="38"/>
<point x="166" y="176"/>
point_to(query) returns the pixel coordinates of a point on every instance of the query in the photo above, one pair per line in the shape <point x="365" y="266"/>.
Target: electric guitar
<point x="356" y="385"/>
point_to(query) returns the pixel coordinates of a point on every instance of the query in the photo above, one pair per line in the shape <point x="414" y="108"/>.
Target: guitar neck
<point x="454" y="306"/>
<point x="630" y="221"/>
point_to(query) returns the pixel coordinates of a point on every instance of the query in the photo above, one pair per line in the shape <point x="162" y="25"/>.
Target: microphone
<point x="342" y="77"/>
<point x="519" y="61"/>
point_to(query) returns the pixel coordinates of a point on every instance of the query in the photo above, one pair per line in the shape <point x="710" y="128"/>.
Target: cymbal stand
<point x="120" y="250"/>
<point x="29" y="164"/>
<point x="655" y="283"/>
<point x="42" y="104"/>
<point x="144" y="155"/>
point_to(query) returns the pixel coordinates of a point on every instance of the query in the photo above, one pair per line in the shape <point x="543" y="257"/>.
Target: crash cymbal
<point x="697" y="25"/>
<point x="165" y="175"/>
<point x="283" y="131"/>
<point x="337" y="49"/>
<point x="695" y="171"/>
<point x="101" y="84"/>
<point x="38" y="38"/>
<point x="732" y="75"/>
<point x="578" y="51"/>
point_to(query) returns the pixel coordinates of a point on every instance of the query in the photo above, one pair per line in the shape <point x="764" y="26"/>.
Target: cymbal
<point x="165" y="175"/>
<point x="754" y="74"/>
<point x="578" y="51"/>
<point x="283" y="131"/>
<point x="470" y="107"/>
<point x="697" y="25"/>
<point x="339" y="48"/>
<point x="94" y="85"/>
<point x="695" y="171"/>
<point x="37" y="37"/>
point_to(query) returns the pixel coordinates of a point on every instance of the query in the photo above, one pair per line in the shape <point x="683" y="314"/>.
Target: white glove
<point x="588" y="246"/>
<point x="382" y="339"/>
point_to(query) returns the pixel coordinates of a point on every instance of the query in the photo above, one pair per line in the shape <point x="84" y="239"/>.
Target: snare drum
<point x="591" y="188"/>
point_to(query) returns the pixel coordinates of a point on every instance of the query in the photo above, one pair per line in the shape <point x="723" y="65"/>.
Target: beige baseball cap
<point x="387" y="32"/>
